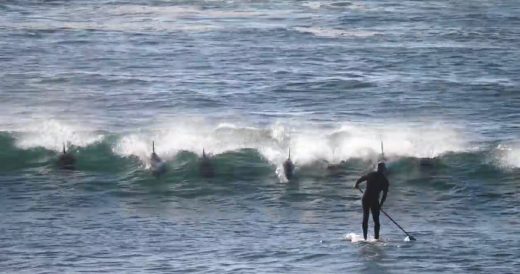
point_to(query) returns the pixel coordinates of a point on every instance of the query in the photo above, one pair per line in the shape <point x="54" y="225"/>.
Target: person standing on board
<point x="376" y="182"/>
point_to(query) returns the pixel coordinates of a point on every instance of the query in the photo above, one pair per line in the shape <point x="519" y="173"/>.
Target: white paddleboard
<point x="358" y="238"/>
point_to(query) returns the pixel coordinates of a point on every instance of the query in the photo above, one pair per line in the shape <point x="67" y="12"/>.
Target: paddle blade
<point x="409" y="238"/>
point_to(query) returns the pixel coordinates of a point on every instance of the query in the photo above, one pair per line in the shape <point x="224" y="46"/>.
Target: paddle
<point x="412" y="238"/>
<point x="382" y="152"/>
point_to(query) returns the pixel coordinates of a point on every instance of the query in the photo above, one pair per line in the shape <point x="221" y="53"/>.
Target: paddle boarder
<point x="376" y="182"/>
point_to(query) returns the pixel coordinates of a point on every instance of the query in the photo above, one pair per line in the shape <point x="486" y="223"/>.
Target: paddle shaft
<point x="411" y="237"/>
<point x="382" y="152"/>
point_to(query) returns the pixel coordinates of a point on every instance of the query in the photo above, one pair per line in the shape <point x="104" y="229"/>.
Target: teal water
<point x="436" y="81"/>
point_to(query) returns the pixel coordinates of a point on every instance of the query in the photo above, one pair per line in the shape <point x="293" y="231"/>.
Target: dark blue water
<point x="436" y="81"/>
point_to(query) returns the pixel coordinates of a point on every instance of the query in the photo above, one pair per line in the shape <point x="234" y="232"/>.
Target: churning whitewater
<point x="313" y="145"/>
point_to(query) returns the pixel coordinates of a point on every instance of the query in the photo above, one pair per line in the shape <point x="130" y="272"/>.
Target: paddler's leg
<point x="375" y="216"/>
<point x="366" y="212"/>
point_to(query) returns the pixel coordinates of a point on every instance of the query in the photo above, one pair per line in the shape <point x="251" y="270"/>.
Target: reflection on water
<point x="372" y="255"/>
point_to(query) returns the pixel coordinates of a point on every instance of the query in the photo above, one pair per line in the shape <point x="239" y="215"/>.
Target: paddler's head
<point x="381" y="167"/>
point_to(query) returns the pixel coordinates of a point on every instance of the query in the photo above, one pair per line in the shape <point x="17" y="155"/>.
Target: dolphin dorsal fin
<point x="64" y="151"/>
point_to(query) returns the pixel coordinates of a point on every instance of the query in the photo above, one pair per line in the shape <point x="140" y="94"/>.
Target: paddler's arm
<point x="385" y="191"/>
<point x="364" y="178"/>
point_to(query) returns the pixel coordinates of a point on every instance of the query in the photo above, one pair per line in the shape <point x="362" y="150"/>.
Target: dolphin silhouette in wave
<point x="66" y="159"/>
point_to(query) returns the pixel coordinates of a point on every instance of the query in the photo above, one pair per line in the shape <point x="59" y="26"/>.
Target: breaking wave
<point x="180" y="144"/>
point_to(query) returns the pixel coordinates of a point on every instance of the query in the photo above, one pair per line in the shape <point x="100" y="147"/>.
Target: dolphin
<point x="288" y="167"/>
<point x="158" y="166"/>
<point x="66" y="159"/>
<point x="205" y="165"/>
<point x="337" y="167"/>
<point x="428" y="162"/>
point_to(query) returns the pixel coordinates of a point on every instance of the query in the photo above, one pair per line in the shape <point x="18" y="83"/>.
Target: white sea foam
<point x="195" y="134"/>
<point x="116" y="25"/>
<point x="178" y="11"/>
<point x="356" y="238"/>
<point x="53" y="134"/>
<point x="509" y="155"/>
<point x="133" y="18"/>
<point x="307" y="143"/>
<point x="337" y="5"/>
<point x="334" y="33"/>
<point x="363" y="141"/>
<point x="312" y="5"/>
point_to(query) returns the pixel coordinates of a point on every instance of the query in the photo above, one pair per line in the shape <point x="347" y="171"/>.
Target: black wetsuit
<point x="376" y="182"/>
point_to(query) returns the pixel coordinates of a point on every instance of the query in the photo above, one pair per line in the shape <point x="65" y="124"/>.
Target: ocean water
<point x="436" y="81"/>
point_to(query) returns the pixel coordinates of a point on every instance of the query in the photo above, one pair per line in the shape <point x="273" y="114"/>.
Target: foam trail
<point x="334" y="33"/>
<point x="312" y="5"/>
<point x="134" y="18"/>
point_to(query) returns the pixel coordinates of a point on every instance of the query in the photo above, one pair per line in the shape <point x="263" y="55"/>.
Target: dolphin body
<point x="205" y="166"/>
<point x="337" y="167"/>
<point x="428" y="162"/>
<point x="288" y="167"/>
<point x="158" y="166"/>
<point x="66" y="159"/>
